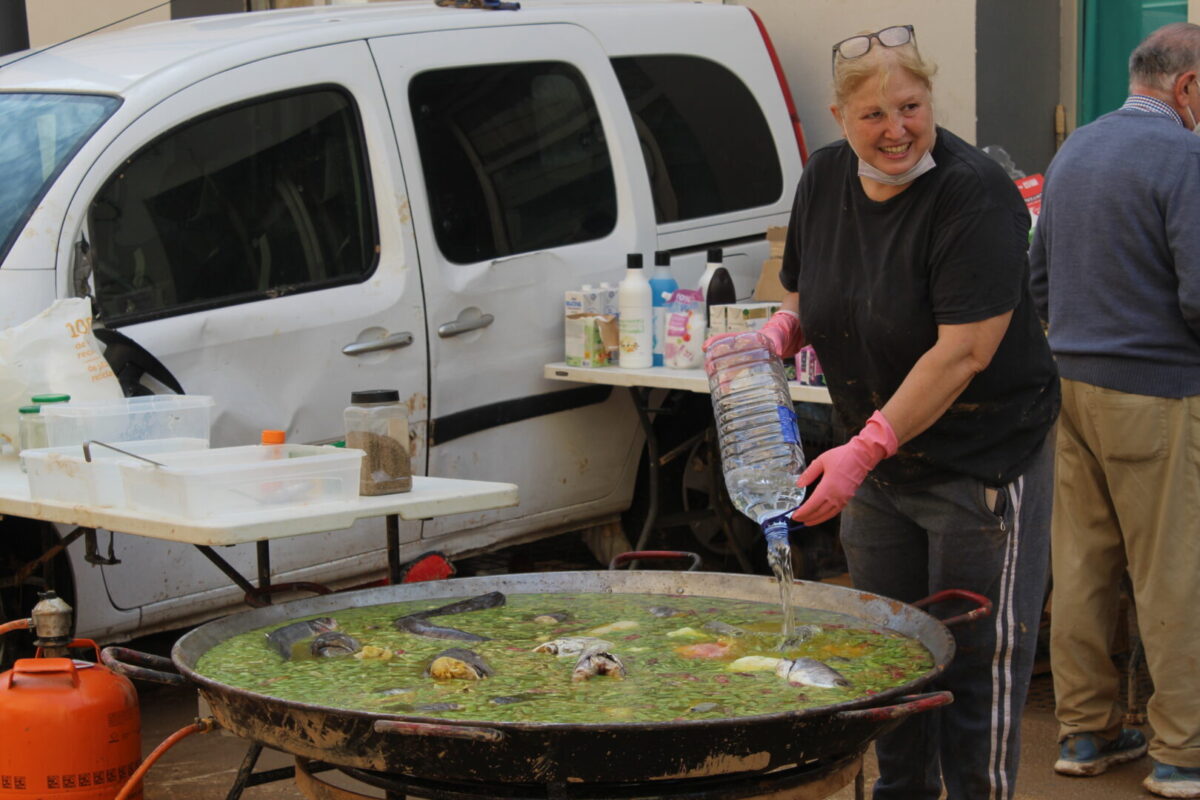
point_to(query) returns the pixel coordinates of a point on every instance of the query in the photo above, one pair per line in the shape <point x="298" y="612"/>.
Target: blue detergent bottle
<point x="661" y="287"/>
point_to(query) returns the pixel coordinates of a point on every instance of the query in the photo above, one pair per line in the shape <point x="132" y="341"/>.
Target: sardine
<point x="597" y="662"/>
<point x="723" y="628"/>
<point x="282" y="640"/>
<point x="418" y="626"/>
<point x="483" y="601"/>
<point x="810" y="672"/>
<point x="704" y="708"/>
<point x="571" y="646"/>
<point x="459" y="663"/>
<point x="334" y="643"/>
<point x="664" y="612"/>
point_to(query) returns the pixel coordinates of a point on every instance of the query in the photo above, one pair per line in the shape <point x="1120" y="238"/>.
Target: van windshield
<point x="38" y="135"/>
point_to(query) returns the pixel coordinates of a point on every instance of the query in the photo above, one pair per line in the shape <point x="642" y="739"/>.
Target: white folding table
<point x="430" y="497"/>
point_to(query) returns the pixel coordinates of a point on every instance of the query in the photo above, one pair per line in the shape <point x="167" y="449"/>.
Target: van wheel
<point x="698" y="483"/>
<point x="24" y="540"/>
<point x="684" y="489"/>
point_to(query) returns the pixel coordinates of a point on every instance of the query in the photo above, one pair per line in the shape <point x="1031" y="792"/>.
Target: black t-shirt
<point x="875" y="281"/>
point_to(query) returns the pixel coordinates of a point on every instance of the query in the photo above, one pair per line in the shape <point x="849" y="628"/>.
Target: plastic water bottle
<point x="761" y="453"/>
<point x="661" y="287"/>
<point x="760" y="448"/>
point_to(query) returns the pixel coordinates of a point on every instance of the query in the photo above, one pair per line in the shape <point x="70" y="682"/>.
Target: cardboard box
<point x="600" y="300"/>
<point x="769" y="288"/>
<point x="748" y="316"/>
<point x="591" y="340"/>
<point x="716" y="320"/>
<point x="777" y="237"/>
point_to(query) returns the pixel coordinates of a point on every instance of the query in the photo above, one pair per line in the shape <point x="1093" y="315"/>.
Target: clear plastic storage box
<point x="62" y="474"/>
<point x="158" y="416"/>
<point x="236" y="480"/>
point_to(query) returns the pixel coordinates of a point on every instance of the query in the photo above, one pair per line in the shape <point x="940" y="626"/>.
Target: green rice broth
<point x="675" y="667"/>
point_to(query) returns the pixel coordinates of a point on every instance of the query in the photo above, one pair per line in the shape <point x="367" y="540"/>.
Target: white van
<point x="276" y="208"/>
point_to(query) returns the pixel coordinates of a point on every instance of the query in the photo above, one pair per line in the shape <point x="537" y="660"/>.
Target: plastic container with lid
<point x="40" y="399"/>
<point x="64" y="475"/>
<point x="130" y="419"/>
<point x="31" y="430"/>
<point x="250" y="479"/>
<point x="377" y="424"/>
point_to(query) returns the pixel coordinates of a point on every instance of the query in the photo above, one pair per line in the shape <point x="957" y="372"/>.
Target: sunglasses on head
<point x="858" y="46"/>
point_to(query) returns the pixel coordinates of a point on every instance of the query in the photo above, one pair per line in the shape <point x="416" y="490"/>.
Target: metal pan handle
<point x="134" y="664"/>
<point x="434" y="729"/>
<point x="908" y="705"/>
<point x="984" y="610"/>
<point x="637" y="555"/>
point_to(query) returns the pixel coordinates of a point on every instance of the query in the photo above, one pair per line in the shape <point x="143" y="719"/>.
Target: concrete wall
<point x="52" y="21"/>
<point x="804" y="32"/>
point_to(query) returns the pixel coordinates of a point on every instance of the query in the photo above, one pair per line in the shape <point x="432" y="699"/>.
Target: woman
<point x="906" y="262"/>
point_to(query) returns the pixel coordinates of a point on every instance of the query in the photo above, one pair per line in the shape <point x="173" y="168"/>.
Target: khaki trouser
<point x="1127" y="497"/>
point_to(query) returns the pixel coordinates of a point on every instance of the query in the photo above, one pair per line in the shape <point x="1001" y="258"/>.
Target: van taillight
<point x="783" y="87"/>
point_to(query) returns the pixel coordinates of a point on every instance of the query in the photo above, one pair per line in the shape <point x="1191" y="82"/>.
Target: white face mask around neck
<point x="909" y="175"/>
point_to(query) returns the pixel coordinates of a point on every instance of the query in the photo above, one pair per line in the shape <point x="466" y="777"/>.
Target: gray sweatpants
<point x="910" y="543"/>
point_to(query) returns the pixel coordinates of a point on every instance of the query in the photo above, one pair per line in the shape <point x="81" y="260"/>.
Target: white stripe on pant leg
<point x="1005" y="621"/>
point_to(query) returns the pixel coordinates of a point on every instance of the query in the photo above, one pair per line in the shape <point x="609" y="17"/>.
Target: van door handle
<point x="460" y="326"/>
<point x="393" y="342"/>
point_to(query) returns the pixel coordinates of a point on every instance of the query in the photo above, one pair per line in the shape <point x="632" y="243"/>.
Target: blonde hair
<point x="851" y="73"/>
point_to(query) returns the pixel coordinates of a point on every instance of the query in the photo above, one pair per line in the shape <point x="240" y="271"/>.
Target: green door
<point x="1108" y="32"/>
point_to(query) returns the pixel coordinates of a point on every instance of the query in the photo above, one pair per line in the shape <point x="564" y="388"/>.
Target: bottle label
<point x="787" y="424"/>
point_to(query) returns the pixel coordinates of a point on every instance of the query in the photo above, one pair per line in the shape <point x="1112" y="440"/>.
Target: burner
<point x="813" y="781"/>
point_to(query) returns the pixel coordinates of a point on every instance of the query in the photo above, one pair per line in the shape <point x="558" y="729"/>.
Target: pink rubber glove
<point x="843" y="470"/>
<point x="782" y="331"/>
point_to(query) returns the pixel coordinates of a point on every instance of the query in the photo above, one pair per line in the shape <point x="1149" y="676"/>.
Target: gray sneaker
<point x="1170" y="781"/>
<point x="1086" y="754"/>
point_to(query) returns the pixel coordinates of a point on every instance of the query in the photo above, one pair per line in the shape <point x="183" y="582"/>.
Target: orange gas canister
<point x="68" y="729"/>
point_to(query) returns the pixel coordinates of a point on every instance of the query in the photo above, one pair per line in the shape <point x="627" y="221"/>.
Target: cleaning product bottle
<point x="636" y="316"/>
<point x="716" y="283"/>
<point x="661" y="287"/>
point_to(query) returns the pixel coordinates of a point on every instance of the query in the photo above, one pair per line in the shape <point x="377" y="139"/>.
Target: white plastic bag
<point x="53" y="352"/>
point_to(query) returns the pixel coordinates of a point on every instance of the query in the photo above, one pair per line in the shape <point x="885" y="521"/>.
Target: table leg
<point x="393" y="548"/>
<point x="641" y="396"/>
<point x="225" y="567"/>
<point x="263" y="550"/>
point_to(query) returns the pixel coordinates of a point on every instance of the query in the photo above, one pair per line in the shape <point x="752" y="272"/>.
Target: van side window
<point x="255" y="200"/>
<point x="705" y="141"/>
<point x="514" y="158"/>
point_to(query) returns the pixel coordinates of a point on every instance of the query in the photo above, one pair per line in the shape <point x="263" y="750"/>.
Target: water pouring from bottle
<point x="761" y="454"/>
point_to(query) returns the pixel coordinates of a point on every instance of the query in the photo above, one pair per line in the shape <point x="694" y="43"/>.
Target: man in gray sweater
<point x="1116" y="274"/>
